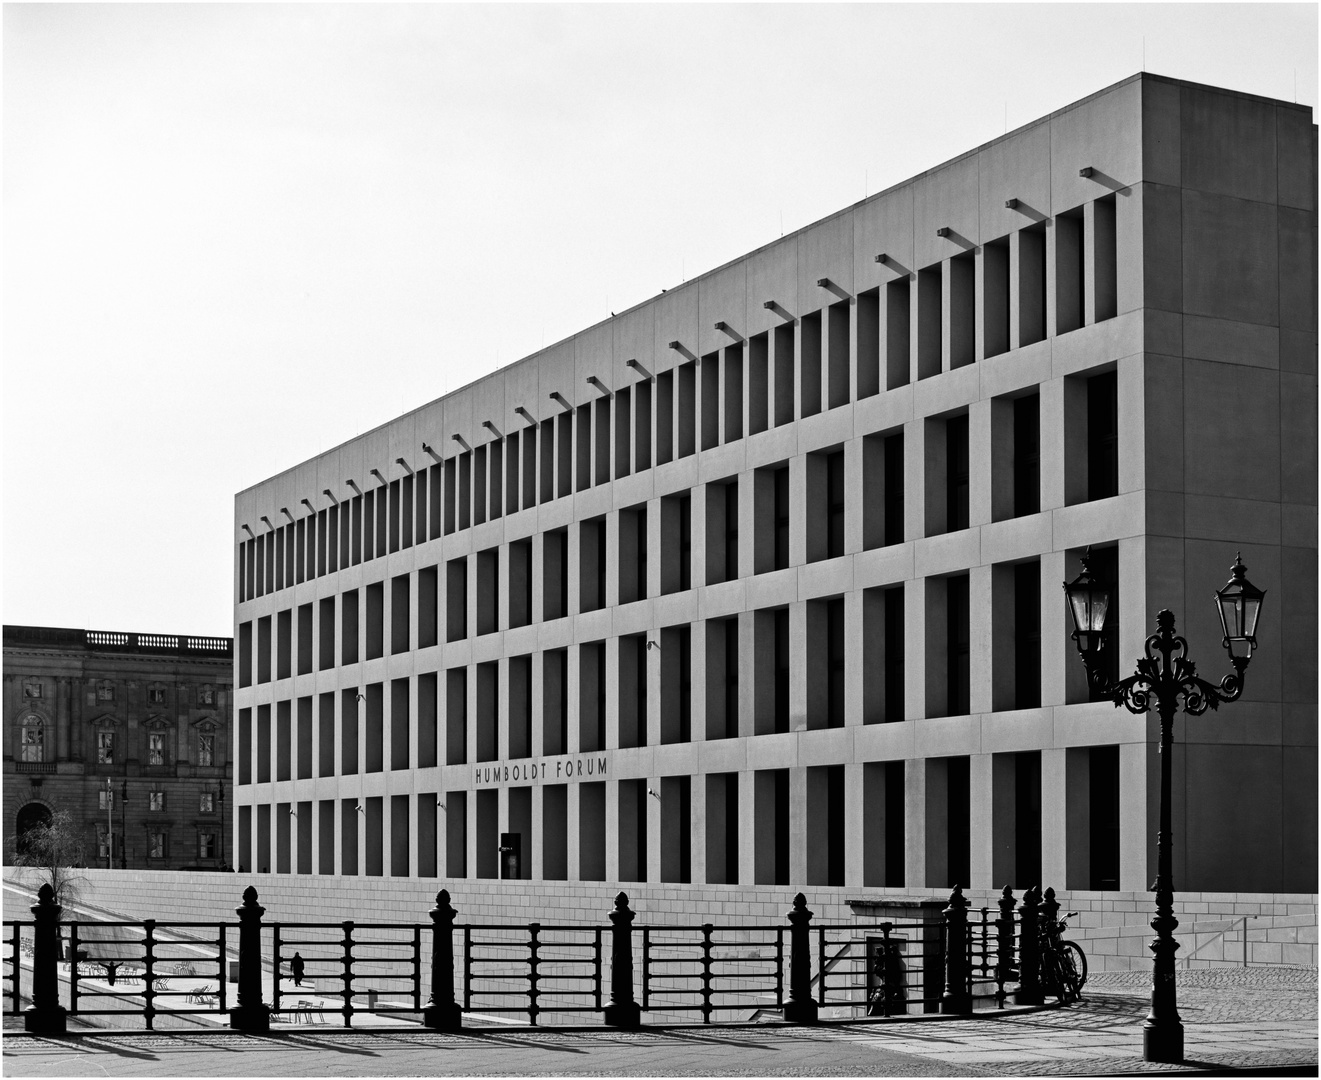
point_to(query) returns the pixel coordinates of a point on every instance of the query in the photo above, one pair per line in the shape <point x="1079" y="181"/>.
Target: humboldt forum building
<point x="756" y="586"/>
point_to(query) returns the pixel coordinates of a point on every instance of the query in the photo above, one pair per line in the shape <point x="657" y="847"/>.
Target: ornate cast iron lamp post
<point x="1163" y="678"/>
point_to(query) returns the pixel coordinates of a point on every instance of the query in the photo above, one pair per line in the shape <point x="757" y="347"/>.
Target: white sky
<point x="235" y="236"/>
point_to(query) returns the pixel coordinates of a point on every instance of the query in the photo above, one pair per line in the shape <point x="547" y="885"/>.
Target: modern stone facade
<point x="146" y="714"/>
<point x="758" y="582"/>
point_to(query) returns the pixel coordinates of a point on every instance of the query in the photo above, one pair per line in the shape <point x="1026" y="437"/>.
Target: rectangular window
<point x="676" y="543"/>
<point x="156" y="844"/>
<point x="303" y="738"/>
<point x="304" y="639"/>
<point x="456" y="599"/>
<point x="995" y="297"/>
<point x="780" y="477"/>
<point x="1032" y="285"/>
<point x="1027" y="455"/>
<point x="1027" y="635"/>
<point x="332" y="539"/>
<point x="435" y="503"/>
<point x="633" y="554"/>
<point x="206" y="845"/>
<point x="488" y="591"/>
<point x="962" y="311"/>
<point x="245" y="654"/>
<point x="710" y="371"/>
<point x="583" y="440"/>
<point x="929" y="322"/>
<point x="496" y="454"/>
<point x="374" y="710"/>
<point x="264" y="649"/>
<point x="642" y="426"/>
<point x="602" y="431"/>
<point x="348" y="732"/>
<point x="687" y="412"/>
<point x="245" y="747"/>
<point x="622" y="432"/>
<point x="400" y="615"/>
<point x="1104" y="259"/>
<point x="722" y="530"/>
<point x="869" y="343"/>
<point x="375" y="620"/>
<point x="283" y="741"/>
<point x="355" y="529"/>
<point x="809" y="370"/>
<point x="733" y="410"/>
<point x="326" y="729"/>
<point x="405" y="512"/>
<point x="105" y="747"/>
<point x="512" y="462"/>
<point x="783" y="341"/>
<point x="382" y="522"/>
<point x="479" y="485"/>
<point x="327" y="647"/>
<point x="399" y="723"/>
<point x="592" y="564"/>
<point x="156" y="801"/>
<point x="664" y="417"/>
<point x="284" y="633"/>
<point x="1103" y="436"/>
<point x="956" y="473"/>
<point x="428" y="585"/>
<point x="1070" y="275"/>
<point x="555" y="574"/>
<point x="837" y="344"/>
<point x="349" y="627"/>
<point x="156" y="748"/>
<point x="759" y="387"/>
<point x="957" y="651"/>
<point x="206" y="749"/>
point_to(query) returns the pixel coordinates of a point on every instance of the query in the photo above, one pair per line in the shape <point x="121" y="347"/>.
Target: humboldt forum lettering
<point x="522" y="771"/>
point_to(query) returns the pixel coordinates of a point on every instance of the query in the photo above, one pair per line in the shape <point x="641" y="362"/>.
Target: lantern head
<point x="1239" y="604"/>
<point x="1089" y="603"/>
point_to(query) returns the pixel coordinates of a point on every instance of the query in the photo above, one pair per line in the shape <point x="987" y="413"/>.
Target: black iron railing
<point x="312" y="971"/>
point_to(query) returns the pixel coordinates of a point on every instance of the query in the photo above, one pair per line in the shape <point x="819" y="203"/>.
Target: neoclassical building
<point x="130" y="733"/>
<point x="759" y="582"/>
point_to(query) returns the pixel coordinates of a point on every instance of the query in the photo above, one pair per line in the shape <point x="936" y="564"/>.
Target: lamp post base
<point x="1162" y="1042"/>
<point x="50" y="1020"/>
<point x="624" y="1014"/>
<point x="447" y="1017"/>
<point x="800" y="1012"/>
<point x="246" y="1018"/>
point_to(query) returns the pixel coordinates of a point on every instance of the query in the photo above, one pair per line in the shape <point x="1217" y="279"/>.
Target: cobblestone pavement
<point x="1250" y="1020"/>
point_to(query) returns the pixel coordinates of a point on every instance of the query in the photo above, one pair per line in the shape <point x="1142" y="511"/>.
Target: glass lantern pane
<point x="1080" y="601"/>
<point x="1251" y="609"/>
<point x="1100" y="607"/>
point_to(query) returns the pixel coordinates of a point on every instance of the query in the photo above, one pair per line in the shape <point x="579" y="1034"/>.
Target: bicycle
<point x="1063" y="963"/>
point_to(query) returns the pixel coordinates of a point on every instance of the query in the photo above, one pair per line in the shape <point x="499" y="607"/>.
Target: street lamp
<point x="123" y="826"/>
<point x="110" y="823"/>
<point x="1163" y="677"/>
<point x="220" y="799"/>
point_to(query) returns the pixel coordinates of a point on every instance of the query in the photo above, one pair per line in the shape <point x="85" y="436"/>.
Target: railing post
<point x="800" y="1008"/>
<point x="622" y="1010"/>
<point x="251" y="1014"/>
<point x="956" y="998"/>
<point x="442" y="1012"/>
<point x="707" y="928"/>
<point x="45" y="1016"/>
<point x="1029" y="954"/>
<point x="1004" y="945"/>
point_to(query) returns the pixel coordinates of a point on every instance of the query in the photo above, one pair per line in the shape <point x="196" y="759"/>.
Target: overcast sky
<point x="235" y="236"/>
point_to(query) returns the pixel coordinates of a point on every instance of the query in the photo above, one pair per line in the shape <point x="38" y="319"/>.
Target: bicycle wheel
<point x="1079" y="961"/>
<point x="1066" y="975"/>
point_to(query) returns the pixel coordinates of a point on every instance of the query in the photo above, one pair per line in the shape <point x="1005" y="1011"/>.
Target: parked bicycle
<point x="1063" y="963"/>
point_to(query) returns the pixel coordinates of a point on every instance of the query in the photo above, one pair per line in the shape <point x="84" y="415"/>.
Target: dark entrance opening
<point x="29" y="817"/>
